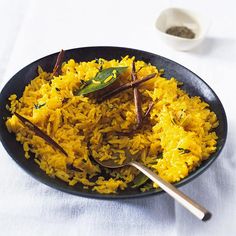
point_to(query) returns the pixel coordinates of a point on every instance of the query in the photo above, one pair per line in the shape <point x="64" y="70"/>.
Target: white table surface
<point x="32" y="29"/>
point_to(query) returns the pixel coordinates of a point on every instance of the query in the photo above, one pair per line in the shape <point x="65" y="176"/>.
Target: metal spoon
<point x="196" y="209"/>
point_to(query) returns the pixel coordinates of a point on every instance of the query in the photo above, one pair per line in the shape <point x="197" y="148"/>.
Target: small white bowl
<point x="169" y="17"/>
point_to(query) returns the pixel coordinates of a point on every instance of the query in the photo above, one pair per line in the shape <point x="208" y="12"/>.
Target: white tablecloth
<point x="32" y="29"/>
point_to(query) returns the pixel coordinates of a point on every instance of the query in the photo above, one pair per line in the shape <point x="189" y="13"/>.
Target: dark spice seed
<point x="38" y="106"/>
<point x="184" y="150"/>
<point x="65" y="100"/>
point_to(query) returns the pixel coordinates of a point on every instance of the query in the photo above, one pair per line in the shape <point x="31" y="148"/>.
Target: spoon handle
<point x="199" y="211"/>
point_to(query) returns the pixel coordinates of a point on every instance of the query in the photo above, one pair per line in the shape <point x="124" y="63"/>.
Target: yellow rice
<point x="83" y="127"/>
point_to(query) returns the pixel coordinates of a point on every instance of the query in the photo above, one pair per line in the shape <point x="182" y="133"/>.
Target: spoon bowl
<point x="111" y="164"/>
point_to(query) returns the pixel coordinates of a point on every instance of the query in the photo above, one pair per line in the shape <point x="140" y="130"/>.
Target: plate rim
<point x="95" y="195"/>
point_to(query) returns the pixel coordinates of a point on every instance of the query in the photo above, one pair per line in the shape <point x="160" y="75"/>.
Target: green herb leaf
<point x="139" y="180"/>
<point x="147" y="187"/>
<point x="119" y="176"/>
<point x="103" y="79"/>
<point x="38" y="106"/>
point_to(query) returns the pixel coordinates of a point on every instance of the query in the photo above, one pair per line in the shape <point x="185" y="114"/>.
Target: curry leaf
<point x="101" y="80"/>
<point x="139" y="180"/>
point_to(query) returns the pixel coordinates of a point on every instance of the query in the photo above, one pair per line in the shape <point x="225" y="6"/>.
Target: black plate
<point x="192" y="84"/>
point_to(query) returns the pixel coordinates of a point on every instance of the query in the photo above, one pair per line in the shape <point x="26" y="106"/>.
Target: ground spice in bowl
<point x="181" y="31"/>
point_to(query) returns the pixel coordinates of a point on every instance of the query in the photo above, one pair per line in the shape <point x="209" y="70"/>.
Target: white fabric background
<point x="32" y="29"/>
